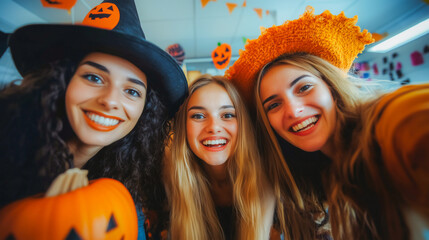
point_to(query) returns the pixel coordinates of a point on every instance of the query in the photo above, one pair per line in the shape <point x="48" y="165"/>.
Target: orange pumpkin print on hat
<point x="221" y="55"/>
<point x="73" y="209"/>
<point x="105" y="15"/>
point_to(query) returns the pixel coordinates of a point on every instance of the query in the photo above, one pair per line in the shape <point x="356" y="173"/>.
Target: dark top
<point x="227" y="220"/>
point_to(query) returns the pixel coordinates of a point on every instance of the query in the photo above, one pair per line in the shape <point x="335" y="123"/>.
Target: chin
<point x="216" y="162"/>
<point x="97" y="142"/>
<point x="311" y="148"/>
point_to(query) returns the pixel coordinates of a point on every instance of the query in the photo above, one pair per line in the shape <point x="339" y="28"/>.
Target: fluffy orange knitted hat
<point x="333" y="38"/>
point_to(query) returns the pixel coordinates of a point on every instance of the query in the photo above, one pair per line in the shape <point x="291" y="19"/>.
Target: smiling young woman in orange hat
<point x="308" y="112"/>
<point x="96" y="96"/>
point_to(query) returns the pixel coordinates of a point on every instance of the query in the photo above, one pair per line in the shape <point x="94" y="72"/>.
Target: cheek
<point x="133" y="110"/>
<point x="191" y="132"/>
<point x="274" y="120"/>
<point x="78" y="92"/>
<point x="73" y="95"/>
<point x="233" y="129"/>
<point x="329" y="107"/>
<point x="192" y="136"/>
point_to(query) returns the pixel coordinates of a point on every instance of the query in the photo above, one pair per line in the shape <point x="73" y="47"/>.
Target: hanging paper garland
<point x="61" y="4"/>
<point x="377" y="37"/>
<point x="204" y="2"/>
<point x="221" y="55"/>
<point x="259" y="12"/>
<point x="231" y="7"/>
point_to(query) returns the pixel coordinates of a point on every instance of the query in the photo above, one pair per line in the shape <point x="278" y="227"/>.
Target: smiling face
<point x="211" y="124"/>
<point x="104" y="99"/>
<point x="299" y="107"/>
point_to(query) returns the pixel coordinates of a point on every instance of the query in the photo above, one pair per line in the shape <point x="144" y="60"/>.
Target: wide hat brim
<point x="33" y="46"/>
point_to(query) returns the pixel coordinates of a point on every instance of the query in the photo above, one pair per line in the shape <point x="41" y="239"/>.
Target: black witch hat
<point x="112" y="27"/>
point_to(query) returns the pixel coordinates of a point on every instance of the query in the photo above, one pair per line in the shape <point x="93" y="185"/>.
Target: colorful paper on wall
<point x="416" y="58"/>
<point x="177" y="52"/>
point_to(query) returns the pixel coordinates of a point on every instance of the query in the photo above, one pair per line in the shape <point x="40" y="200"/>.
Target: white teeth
<point x="305" y="124"/>
<point x="102" y="120"/>
<point x="214" y="142"/>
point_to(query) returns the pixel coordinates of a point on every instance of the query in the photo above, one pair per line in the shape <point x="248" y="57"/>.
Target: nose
<point x="109" y="98"/>
<point x="213" y="125"/>
<point x="294" y="108"/>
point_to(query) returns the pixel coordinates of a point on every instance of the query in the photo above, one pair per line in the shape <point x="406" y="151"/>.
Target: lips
<point x="100" y="121"/>
<point x="215" y="144"/>
<point x="306" y="126"/>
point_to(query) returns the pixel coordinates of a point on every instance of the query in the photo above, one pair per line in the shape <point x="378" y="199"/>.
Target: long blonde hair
<point x="193" y="214"/>
<point x="347" y="97"/>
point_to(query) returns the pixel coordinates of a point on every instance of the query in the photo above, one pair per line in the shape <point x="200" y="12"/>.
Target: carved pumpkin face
<point x="221" y="55"/>
<point x="61" y="4"/>
<point x="102" y="210"/>
<point x="104" y="15"/>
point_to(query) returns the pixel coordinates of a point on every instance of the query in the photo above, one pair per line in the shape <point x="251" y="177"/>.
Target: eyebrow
<point x="269" y="98"/>
<point x="104" y="69"/>
<point x="226" y="106"/>
<point x="203" y="108"/>
<point x="290" y="85"/>
<point x="297" y="79"/>
<point x="96" y="65"/>
<point x="137" y="81"/>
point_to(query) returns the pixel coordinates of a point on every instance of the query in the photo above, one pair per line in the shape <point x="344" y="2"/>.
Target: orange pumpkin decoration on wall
<point x="105" y="15"/>
<point x="221" y="55"/>
<point x="61" y="4"/>
<point x="103" y="209"/>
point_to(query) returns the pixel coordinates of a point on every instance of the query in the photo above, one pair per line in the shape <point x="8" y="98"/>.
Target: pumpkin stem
<point x="68" y="181"/>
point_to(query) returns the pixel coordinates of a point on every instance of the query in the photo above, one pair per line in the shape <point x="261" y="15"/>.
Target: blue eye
<point x="93" y="78"/>
<point x="304" y="88"/>
<point x="197" y="116"/>
<point x="133" y="92"/>
<point x="229" y="115"/>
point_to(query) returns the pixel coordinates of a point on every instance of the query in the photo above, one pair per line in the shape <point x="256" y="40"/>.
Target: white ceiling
<point x="199" y="29"/>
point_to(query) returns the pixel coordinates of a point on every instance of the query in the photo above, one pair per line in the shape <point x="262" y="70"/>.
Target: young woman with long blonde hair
<point x="305" y="109"/>
<point x="214" y="181"/>
<point x="313" y="117"/>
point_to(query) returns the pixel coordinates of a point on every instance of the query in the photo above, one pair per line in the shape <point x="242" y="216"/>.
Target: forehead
<point x="115" y="65"/>
<point x="282" y="75"/>
<point x="210" y="96"/>
<point x="282" y="71"/>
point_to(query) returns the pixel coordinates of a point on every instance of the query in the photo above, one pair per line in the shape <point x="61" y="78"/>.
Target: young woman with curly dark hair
<point x="88" y="102"/>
